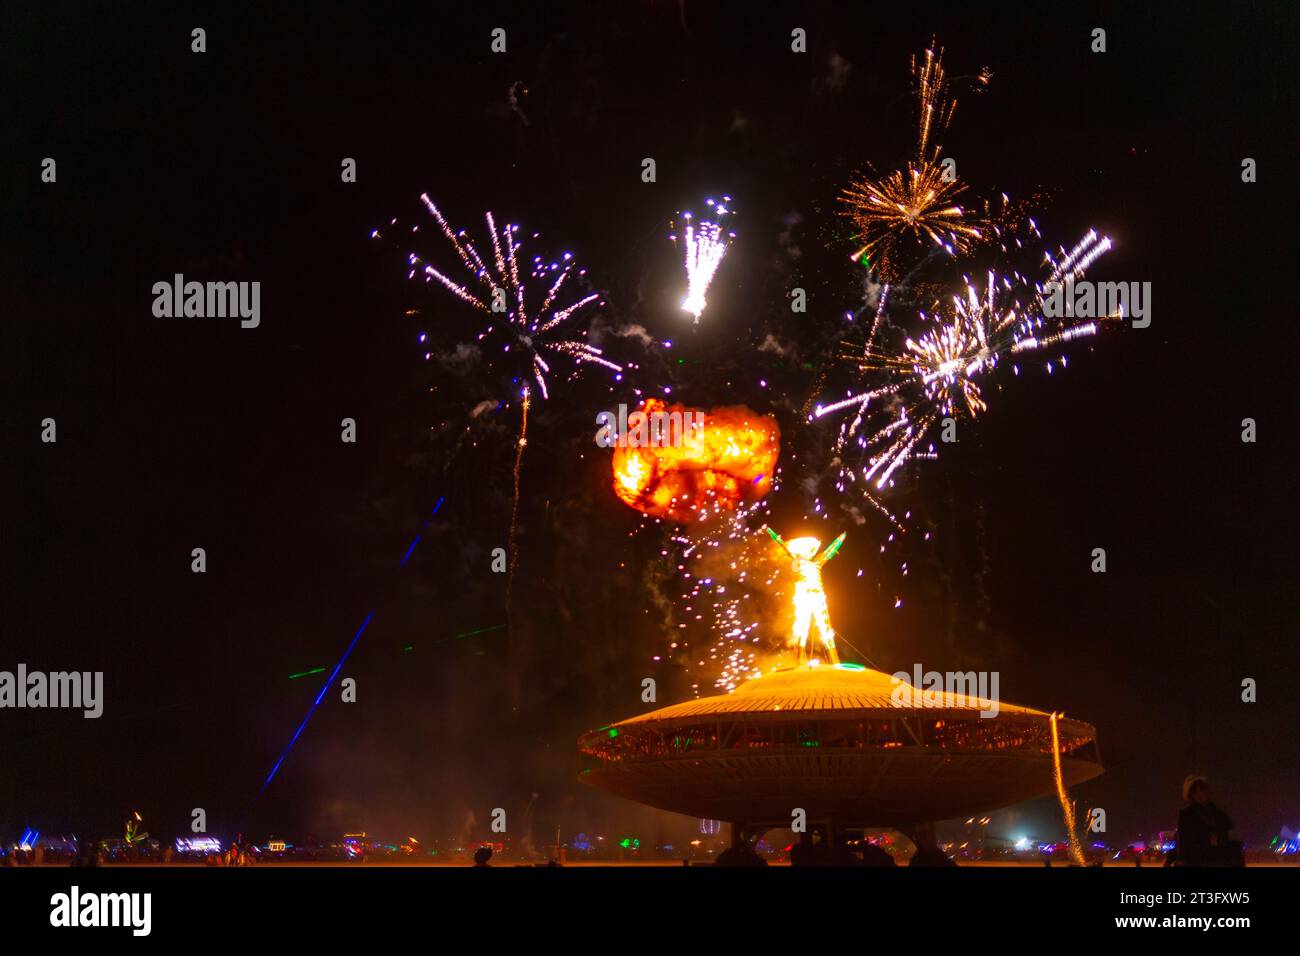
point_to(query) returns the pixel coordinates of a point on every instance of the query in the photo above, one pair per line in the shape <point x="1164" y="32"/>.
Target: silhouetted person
<point x="809" y="851"/>
<point x="87" y="855"/>
<point x="739" y="854"/>
<point x="928" y="854"/>
<point x="873" y="855"/>
<point x="841" y="854"/>
<point x="1205" y="836"/>
<point x="482" y="855"/>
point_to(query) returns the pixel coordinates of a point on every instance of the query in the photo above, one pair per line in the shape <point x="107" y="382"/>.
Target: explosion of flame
<point x="731" y="462"/>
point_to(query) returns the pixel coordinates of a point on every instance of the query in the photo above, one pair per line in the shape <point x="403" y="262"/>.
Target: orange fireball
<point x="728" y="462"/>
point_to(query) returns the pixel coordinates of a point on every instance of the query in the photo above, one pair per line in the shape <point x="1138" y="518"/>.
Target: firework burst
<point x="538" y="331"/>
<point x="915" y="207"/>
<point x="705" y="243"/>
<point x="936" y="373"/>
<point x="535" y="330"/>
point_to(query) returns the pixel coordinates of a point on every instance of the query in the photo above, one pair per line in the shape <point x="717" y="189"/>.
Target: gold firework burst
<point x="914" y="209"/>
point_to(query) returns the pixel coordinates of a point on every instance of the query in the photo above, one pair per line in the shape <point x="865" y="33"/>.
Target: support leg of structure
<point x="737" y="833"/>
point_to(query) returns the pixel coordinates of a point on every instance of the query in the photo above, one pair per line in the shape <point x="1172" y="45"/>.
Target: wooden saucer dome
<point x="842" y="742"/>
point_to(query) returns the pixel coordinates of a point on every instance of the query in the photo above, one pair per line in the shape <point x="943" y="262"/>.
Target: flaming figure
<point x="531" y="329"/>
<point x="809" y="596"/>
<point x="916" y="204"/>
<point x="705" y="244"/>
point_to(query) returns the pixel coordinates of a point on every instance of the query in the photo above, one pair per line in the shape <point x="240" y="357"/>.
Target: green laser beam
<point x="315" y="670"/>
<point x="411" y="647"/>
<point x="481" y="630"/>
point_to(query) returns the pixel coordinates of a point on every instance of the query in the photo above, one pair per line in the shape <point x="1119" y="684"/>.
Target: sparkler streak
<point x="705" y="245"/>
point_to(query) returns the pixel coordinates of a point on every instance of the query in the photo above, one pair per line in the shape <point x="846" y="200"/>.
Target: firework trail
<point x="705" y="244"/>
<point x="514" y="509"/>
<point x="512" y="543"/>
<point x="1067" y="805"/>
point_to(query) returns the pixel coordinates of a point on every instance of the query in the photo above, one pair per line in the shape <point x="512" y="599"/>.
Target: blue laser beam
<point x="406" y="557"/>
<point x="339" y="666"/>
<point x="402" y="563"/>
<point x="319" y="697"/>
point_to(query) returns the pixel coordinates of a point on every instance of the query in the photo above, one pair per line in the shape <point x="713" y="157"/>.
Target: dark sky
<point x="175" y="434"/>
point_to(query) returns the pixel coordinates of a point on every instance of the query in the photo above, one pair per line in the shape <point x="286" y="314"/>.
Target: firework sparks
<point x="916" y="203"/>
<point x="1067" y="805"/>
<point x="498" y="288"/>
<point x="705" y="244"/>
<point x="915" y="206"/>
<point x="935" y="374"/>
<point x="762" y="605"/>
<point x="726" y="575"/>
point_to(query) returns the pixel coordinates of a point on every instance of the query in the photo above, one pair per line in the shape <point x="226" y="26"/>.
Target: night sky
<point x="183" y="433"/>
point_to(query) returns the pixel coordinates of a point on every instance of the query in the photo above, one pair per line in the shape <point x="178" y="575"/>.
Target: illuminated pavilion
<point x="832" y="740"/>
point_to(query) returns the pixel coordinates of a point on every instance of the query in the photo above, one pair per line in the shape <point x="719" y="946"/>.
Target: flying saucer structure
<point x="834" y="741"/>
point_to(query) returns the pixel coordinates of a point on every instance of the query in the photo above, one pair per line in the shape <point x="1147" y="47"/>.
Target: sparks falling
<point x="725" y="573"/>
<point x="705" y="243"/>
<point x="1067" y="805"/>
